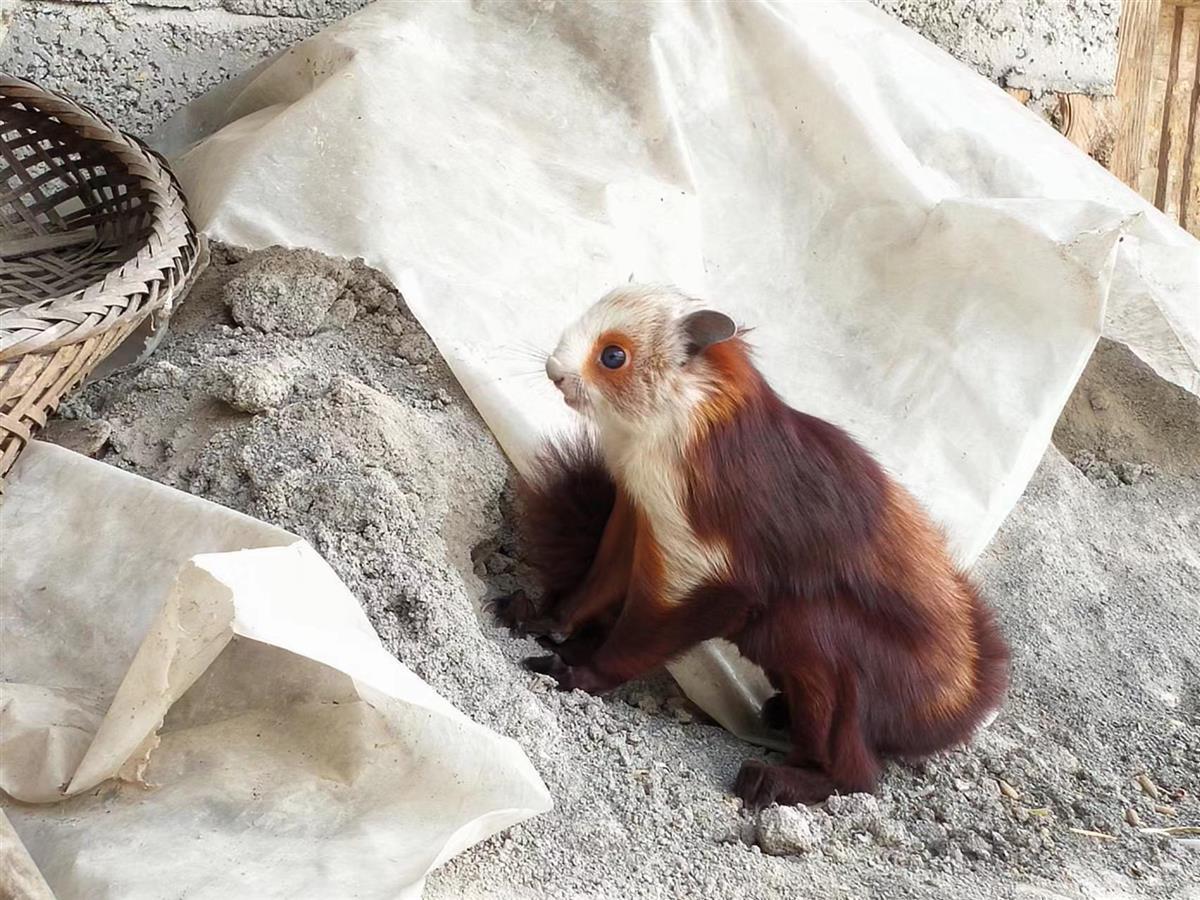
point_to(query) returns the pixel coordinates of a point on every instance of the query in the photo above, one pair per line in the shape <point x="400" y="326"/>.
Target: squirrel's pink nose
<point x="555" y="371"/>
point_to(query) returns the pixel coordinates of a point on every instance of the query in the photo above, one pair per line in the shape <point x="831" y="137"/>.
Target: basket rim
<point x="142" y="284"/>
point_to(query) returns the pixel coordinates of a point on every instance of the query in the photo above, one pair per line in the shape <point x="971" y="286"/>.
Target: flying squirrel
<point x="700" y="505"/>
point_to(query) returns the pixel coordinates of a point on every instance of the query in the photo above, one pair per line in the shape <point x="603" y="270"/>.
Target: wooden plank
<point x="1176" y="115"/>
<point x="1189" y="208"/>
<point x="1107" y="128"/>
<point x="1160" y="79"/>
<point x="1083" y="121"/>
<point x="1136" y="32"/>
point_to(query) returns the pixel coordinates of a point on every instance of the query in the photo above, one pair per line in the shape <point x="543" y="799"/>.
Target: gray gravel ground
<point x="300" y="390"/>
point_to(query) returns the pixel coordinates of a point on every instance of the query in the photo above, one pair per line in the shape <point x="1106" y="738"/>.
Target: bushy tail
<point x="992" y="663"/>
<point x="927" y="735"/>
<point x="992" y="666"/>
<point x="562" y="510"/>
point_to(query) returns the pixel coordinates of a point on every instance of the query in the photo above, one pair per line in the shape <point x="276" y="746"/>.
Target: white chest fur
<point x="649" y="466"/>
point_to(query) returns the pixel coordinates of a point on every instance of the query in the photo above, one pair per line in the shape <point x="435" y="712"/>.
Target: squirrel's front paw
<point x="513" y="611"/>
<point x="569" y="678"/>
<point x="523" y="616"/>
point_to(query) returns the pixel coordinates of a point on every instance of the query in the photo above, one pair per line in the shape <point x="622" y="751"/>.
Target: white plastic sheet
<point x="195" y="700"/>
<point x="926" y="263"/>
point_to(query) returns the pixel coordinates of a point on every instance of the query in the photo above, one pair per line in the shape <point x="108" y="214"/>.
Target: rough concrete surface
<point x="136" y="63"/>
<point x="356" y="436"/>
<point x="1040" y="45"/>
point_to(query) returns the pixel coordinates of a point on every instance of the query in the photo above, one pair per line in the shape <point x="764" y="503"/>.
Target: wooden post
<point x="1175" y="162"/>
<point x="1136" y="32"/>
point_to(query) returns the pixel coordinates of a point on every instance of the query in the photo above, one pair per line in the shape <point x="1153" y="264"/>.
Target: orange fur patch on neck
<point x="735" y="381"/>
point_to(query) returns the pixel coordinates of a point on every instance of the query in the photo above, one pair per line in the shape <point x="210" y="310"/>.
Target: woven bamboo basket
<point x="95" y="245"/>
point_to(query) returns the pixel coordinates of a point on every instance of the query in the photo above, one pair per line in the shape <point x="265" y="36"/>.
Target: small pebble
<point x="1148" y="787"/>
<point x="789" y="830"/>
<point x="85" y="436"/>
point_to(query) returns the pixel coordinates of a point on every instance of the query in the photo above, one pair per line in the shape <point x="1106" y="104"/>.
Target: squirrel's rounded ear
<point x="706" y="327"/>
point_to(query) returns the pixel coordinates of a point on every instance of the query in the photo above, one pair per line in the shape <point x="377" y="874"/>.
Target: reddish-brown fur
<point x="839" y="587"/>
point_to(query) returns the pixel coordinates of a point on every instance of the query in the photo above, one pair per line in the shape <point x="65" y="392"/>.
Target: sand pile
<point x="300" y="390"/>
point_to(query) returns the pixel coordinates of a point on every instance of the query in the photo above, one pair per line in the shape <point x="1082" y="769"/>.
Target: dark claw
<point x="514" y="612"/>
<point x="760" y="784"/>
<point x="540" y="626"/>
<point x="544" y="665"/>
<point x="552" y="665"/>
<point x="569" y="678"/>
<point x="754" y="786"/>
<point x="574" y="651"/>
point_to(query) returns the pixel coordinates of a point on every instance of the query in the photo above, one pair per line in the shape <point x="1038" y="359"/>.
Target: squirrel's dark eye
<point x="612" y="357"/>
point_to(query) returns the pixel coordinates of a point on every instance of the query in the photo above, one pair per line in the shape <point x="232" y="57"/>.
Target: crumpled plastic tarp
<point x="925" y="262"/>
<point x="193" y="704"/>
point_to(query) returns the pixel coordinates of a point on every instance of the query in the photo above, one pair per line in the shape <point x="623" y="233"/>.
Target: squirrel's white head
<point x="636" y="353"/>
